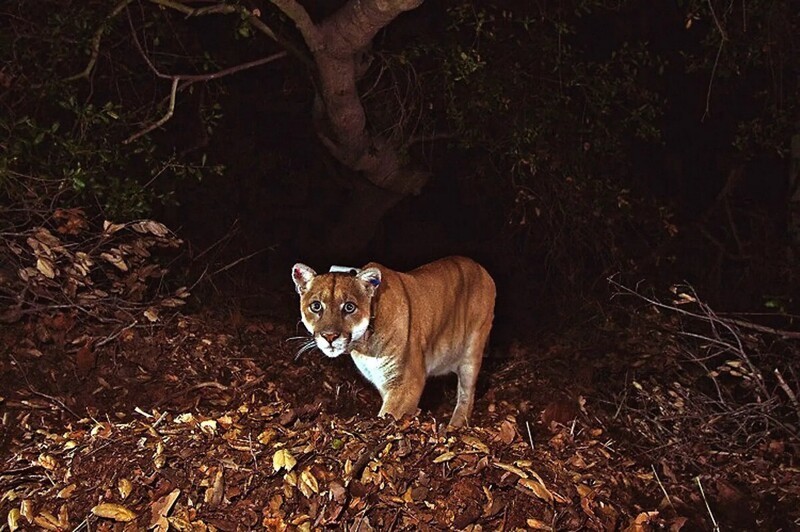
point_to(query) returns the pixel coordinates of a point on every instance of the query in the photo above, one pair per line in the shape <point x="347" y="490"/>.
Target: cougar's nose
<point x="330" y="336"/>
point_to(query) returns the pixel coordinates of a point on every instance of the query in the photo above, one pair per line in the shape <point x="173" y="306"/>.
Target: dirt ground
<point x="209" y="423"/>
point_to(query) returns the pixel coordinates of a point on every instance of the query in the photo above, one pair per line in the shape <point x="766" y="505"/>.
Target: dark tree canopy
<point x="576" y="136"/>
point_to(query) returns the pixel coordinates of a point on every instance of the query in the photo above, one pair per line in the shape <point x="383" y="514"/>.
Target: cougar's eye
<point x="349" y="307"/>
<point x="315" y="307"/>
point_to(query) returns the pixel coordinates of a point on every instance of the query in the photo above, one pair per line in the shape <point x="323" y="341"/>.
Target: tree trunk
<point x="339" y="45"/>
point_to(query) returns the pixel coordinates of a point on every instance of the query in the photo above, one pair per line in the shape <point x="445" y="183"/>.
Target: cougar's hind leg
<point x="467" y="377"/>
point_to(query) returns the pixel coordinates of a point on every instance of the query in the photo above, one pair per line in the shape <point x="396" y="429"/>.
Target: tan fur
<point x="430" y="321"/>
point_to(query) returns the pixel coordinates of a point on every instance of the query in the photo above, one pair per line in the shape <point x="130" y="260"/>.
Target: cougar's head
<point x="335" y="307"/>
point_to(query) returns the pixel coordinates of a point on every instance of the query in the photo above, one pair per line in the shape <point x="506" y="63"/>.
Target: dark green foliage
<point x="65" y="134"/>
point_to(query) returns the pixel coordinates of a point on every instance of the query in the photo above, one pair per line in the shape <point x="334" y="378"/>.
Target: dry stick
<point x="708" y="507"/>
<point x="530" y="438"/>
<point x="660" y="485"/>
<point x="783" y="333"/>
<point x="787" y="390"/>
<point x="113" y="336"/>
<point x="712" y="319"/>
<point x="241" y="259"/>
<point x="33" y="390"/>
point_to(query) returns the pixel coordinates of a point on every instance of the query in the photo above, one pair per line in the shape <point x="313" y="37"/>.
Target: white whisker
<point x="311" y="344"/>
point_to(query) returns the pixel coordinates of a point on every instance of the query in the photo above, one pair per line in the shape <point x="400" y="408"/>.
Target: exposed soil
<point x="211" y="424"/>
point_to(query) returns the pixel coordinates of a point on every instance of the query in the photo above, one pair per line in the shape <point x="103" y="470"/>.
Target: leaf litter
<point x="188" y="427"/>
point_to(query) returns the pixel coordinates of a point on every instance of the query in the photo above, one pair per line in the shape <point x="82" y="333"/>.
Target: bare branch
<point x="98" y="37"/>
<point x="302" y="20"/>
<point x="161" y="121"/>
<point x="187" y="79"/>
<point x="353" y="27"/>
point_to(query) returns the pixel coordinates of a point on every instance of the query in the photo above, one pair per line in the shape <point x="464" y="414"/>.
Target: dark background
<point x="565" y="143"/>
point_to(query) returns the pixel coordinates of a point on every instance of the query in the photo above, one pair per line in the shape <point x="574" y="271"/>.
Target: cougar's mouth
<point x="335" y="347"/>
<point x="334" y="344"/>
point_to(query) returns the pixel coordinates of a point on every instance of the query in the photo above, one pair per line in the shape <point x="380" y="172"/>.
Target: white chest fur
<point x="377" y="370"/>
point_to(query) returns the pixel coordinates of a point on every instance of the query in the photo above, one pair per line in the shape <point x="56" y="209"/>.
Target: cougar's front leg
<point x="403" y="398"/>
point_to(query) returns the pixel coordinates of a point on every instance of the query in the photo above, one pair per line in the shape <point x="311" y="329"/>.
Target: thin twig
<point x="787" y="390"/>
<point x="723" y="37"/>
<point x="241" y="259"/>
<point x="660" y="485"/>
<point x="161" y="121"/>
<point x="708" y="507"/>
<point x="530" y="437"/>
<point x="113" y="336"/>
<point x="33" y="390"/>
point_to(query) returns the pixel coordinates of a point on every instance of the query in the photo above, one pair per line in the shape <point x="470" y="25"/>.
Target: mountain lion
<point x="400" y="328"/>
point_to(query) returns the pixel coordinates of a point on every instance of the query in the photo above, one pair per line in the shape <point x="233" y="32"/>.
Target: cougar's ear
<point x="371" y="277"/>
<point x="302" y="275"/>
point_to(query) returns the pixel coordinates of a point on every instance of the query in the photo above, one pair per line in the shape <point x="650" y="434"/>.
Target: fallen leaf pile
<point x="194" y="426"/>
<point x="105" y="272"/>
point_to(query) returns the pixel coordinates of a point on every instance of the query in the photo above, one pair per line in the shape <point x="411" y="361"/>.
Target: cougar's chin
<point x="338" y="348"/>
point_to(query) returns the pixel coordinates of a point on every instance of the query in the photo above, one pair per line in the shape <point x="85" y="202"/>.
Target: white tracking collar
<point x="344" y="269"/>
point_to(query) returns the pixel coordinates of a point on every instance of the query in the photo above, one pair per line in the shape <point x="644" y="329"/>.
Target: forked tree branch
<point x="302" y="20"/>
<point x="251" y="17"/>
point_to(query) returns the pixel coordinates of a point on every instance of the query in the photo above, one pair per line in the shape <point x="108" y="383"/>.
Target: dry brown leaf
<point x="110" y="228"/>
<point x="73" y="221"/>
<point x="508" y="467"/>
<point x="283" y="459"/>
<point x="85" y="359"/>
<point x="67" y="492"/>
<point x="158" y="458"/>
<point x="537" y="488"/>
<point x="267" y="436"/>
<point x="117" y="512"/>
<point x="584" y="490"/>
<point x="150" y="226"/>
<point x="489" y="500"/>
<point x="444" y="457"/>
<point x="46" y="267"/>
<point x="115" y="260"/>
<point x="640" y="522"/>
<point x="47" y="461"/>
<point x="101" y="430"/>
<point x="172" y="302"/>
<point x="308" y="483"/>
<point x="538" y="525"/>
<point x="337" y="492"/>
<point x="26" y="509"/>
<point x="209" y="426"/>
<point x="13" y="519"/>
<point x="476" y="444"/>
<point x="47" y="521"/>
<point x="151" y="314"/>
<point x="182" y="292"/>
<point x="160" y="509"/>
<point x="124" y="487"/>
<point x="677" y="524"/>
<point x="507" y="432"/>
<point x="215" y="492"/>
